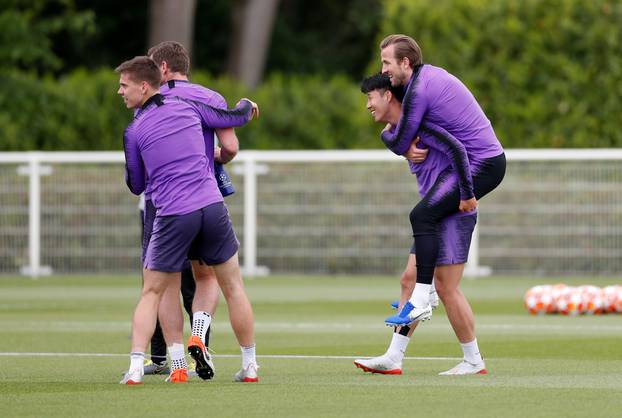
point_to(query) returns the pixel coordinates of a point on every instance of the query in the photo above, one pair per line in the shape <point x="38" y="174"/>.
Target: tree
<point x="172" y="20"/>
<point x="30" y="28"/>
<point x="252" y="28"/>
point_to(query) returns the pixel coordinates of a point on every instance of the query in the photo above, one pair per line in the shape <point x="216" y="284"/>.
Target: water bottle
<point x="223" y="179"/>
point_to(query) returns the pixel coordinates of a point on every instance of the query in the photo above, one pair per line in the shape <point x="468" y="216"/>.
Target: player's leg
<point x="172" y="321"/>
<point x="458" y="309"/>
<point x="408" y="281"/>
<point x="205" y="300"/>
<point x="456" y="233"/>
<point x="169" y="244"/>
<point x="204" y="304"/>
<point x="461" y="318"/>
<point x="143" y="323"/>
<point x="157" y="365"/>
<point x="441" y="201"/>
<point x="219" y="249"/>
<point x="240" y="311"/>
<point x="188" y="288"/>
<point x="391" y="361"/>
<point x="240" y="315"/>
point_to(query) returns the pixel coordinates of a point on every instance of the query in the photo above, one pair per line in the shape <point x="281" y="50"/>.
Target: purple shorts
<point x="149" y="215"/>
<point x="455" y="234"/>
<point x="205" y="234"/>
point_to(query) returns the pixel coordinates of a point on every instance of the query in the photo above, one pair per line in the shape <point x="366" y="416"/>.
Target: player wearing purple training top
<point x="165" y="153"/>
<point x="437" y="104"/>
<point x="455" y="238"/>
<point x="174" y="63"/>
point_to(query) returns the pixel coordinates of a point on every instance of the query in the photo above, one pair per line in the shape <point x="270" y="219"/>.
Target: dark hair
<point x="405" y="47"/>
<point x="377" y="81"/>
<point x="173" y="53"/>
<point x="382" y="81"/>
<point x="141" y="69"/>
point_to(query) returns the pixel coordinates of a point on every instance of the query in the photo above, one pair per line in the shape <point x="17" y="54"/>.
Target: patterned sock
<point x="178" y="356"/>
<point x="201" y="321"/>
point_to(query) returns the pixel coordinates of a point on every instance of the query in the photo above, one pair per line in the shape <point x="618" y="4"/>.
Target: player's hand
<point x="217" y="154"/>
<point x="468" y="205"/>
<point x="255" y="111"/>
<point x="414" y="154"/>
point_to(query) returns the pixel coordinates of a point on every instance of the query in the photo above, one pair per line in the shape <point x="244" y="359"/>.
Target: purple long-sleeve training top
<point x="439" y="104"/>
<point x="165" y="144"/>
<point x="190" y="91"/>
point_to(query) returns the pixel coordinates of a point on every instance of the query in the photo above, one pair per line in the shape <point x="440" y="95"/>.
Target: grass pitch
<point x="309" y="330"/>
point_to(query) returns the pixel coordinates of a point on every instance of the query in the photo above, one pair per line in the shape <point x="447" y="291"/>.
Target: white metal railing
<point x="250" y="164"/>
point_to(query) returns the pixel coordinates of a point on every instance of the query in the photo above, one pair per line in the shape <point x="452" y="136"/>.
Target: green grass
<point x="539" y="366"/>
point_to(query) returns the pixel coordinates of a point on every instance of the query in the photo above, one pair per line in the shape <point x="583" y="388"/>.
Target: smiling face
<point x="378" y="104"/>
<point x="399" y="71"/>
<point x="133" y="93"/>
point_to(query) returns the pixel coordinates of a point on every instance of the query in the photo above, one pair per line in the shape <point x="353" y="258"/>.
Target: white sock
<point x="421" y="295"/>
<point x="200" y="323"/>
<point x="178" y="356"/>
<point x="248" y="355"/>
<point x="137" y="361"/>
<point x="471" y="352"/>
<point x="397" y="348"/>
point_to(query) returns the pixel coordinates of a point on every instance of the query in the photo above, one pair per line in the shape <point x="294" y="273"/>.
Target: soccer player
<point x="165" y="154"/>
<point x="438" y="105"/>
<point x="455" y="239"/>
<point x="174" y="63"/>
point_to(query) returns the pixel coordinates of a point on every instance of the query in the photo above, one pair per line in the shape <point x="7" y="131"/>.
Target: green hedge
<point x="83" y="112"/>
<point x="79" y="112"/>
<point x="548" y="73"/>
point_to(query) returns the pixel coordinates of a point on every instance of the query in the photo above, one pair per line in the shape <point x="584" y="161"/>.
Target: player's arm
<point x="134" y="167"/>
<point x="229" y="145"/>
<point x="414" y="106"/>
<point x="446" y="143"/>
<point x="214" y="117"/>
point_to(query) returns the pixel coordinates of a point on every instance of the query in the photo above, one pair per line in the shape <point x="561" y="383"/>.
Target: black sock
<point x="404" y="330"/>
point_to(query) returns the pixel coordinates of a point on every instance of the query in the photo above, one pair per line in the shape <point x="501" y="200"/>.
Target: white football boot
<point x="382" y="364"/>
<point x="248" y="374"/>
<point x="409" y="314"/>
<point x="132" y="377"/>
<point x="464" y="368"/>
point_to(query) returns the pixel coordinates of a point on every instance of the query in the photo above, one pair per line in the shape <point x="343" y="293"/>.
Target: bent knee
<point x="422" y="219"/>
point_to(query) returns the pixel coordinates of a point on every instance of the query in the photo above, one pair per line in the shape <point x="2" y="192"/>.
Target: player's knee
<point x="408" y="279"/>
<point x="445" y="292"/>
<point x="152" y="291"/>
<point x="420" y="220"/>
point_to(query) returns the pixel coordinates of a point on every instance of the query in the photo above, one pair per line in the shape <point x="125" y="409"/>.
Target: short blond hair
<point x="405" y="47"/>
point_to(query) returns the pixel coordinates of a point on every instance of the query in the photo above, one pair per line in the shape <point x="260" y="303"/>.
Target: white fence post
<point x="34" y="171"/>
<point x="250" y="172"/>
